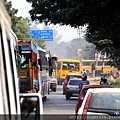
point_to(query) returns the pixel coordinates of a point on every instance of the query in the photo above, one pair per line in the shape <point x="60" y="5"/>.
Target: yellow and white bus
<point x="87" y="64"/>
<point x="66" y="66"/>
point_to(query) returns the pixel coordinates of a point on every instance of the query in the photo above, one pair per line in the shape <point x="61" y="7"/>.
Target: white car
<point x="73" y="88"/>
<point x="100" y="104"/>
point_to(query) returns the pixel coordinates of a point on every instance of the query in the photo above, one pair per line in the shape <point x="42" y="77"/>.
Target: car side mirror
<point x="31" y="106"/>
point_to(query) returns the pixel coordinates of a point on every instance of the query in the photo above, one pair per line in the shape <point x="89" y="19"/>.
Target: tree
<point x="40" y="43"/>
<point x="101" y="16"/>
<point x="19" y="25"/>
<point x="13" y="14"/>
<point x="21" y="30"/>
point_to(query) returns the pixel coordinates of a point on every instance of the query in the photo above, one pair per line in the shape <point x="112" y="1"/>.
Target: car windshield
<point x="75" y="82"/>
<point x="108" y="101"/>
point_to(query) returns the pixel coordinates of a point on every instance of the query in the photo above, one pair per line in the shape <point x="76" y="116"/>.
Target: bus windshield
<point x="70" y="66"/>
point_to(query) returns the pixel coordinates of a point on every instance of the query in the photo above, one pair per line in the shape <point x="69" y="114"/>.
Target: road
<point x="56" y="102"/>
<point x="56" y="107"/>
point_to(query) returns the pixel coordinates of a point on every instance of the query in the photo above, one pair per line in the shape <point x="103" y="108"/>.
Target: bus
<point x="35" y="72"/>
<point x="99" y="66"/>
<point x="14" y="105"/>
<point x="66" y="66"/>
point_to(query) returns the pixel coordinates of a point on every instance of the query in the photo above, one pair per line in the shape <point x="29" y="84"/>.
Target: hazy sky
<point x="23" y="8"/>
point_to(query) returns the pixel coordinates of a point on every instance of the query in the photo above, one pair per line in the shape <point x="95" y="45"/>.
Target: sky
<point x="23" y="7"/>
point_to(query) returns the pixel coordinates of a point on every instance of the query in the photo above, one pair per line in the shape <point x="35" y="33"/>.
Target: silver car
<point x="73" y="88"/>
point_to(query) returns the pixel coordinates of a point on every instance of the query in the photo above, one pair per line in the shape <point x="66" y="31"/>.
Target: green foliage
<point x="40" y="43"/>
<point x="101" y="16"/>
<point x="116" y="84"/>
<point x="19" y="25"/>
<point x="21" y="30"/>
<point x="13" y="14"/>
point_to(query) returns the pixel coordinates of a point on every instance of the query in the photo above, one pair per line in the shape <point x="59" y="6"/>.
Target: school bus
<point x="87" y="64"/>
<point x="66" y="66"/>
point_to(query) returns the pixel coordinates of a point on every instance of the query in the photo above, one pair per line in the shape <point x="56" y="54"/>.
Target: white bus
<point x="13" y="105"/>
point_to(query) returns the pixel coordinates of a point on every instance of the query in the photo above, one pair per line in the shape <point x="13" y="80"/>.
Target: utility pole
<point x="78" y="50"/>
<point x="78" y="32"/>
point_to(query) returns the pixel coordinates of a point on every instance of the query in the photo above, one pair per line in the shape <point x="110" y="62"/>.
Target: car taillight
<point x="81" y="96"/>
<point x="84" y="113"/>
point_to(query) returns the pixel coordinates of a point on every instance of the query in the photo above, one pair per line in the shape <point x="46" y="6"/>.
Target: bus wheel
<point x="58" y="82"/>
<point x="54" y="89"/>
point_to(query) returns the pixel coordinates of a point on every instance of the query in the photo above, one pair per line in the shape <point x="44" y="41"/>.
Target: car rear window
<point x="74" y="76"/>
<point x="75" y="82"/>
<point x="108" y="101"/>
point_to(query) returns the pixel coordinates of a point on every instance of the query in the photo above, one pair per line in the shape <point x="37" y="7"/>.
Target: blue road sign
<point x="47" y="35"/>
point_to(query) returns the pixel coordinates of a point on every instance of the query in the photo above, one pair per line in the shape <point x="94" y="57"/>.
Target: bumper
<point x="53" y="85"/>
<point x="72" y="93"/>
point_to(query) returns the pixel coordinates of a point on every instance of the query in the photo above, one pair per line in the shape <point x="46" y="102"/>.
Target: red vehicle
<point x="68" y="77"/>
<point x="84" y="91"/>
<point x="34" y="69"/>
<point x="101" y="104"/>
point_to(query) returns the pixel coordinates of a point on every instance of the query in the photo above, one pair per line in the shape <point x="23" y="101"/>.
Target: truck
<point x="53" y="77"/>
<point x="14" y="105"/>
<point x="34" y="69"/>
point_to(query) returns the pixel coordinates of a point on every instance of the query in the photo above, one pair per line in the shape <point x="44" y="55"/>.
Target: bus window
<point x="65" y="66"/>
<point x="58" y="65"/>
<point x="70" y="66"/>
<point x="86" y="63"/>
<point x="100" y="63"/>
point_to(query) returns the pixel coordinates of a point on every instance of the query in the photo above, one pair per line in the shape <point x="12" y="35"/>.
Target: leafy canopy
<point x="21" y="25"/>
<point x="101" y="16"/>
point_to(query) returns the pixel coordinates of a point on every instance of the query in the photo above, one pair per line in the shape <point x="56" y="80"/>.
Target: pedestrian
<point x="84" y="72"/>
<point x="84" y="82"/>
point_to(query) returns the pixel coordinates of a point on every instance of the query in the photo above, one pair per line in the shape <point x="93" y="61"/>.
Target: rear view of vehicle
<point x="66" y="66"/>
<point x="53" y="84"/>
<point x="84" y="91"/>
<point x="73" y="88"/>
<point x="68" y="77"/>
<point x="101" y="101"/>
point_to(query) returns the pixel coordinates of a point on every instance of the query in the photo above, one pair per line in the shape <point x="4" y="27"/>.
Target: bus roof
<point x="92" y="60"/>
<point x="69" y="60"/>
<point x="40" y="49"/>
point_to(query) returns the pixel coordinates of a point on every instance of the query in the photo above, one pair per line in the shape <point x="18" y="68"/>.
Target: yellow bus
<point x="66" y="66"/>
<point x="87" y="64"/>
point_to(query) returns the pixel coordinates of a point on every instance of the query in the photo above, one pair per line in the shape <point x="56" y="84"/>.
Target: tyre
<point x="58" y="82"/>
<point x="63" y="92"/>
<point x="54" y="89"/>
<point x="67" y="98"/>
<point x="45" y="97"/>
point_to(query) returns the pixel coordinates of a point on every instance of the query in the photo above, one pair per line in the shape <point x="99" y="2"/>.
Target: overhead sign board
<point x="47" y="35"/>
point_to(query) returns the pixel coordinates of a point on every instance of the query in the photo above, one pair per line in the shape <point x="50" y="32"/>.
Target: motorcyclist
<point x="84" y="82"/>
<point x="104" y="81"/>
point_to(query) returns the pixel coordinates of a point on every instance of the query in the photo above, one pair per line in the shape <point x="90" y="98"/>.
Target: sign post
<point x="102" y="56"/>
<point x="47" y="35"/>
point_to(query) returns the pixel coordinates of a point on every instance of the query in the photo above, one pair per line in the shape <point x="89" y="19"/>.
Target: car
<point x="100" y="102"/>
<point x="73" y="88"/>
<point x="83" y="92"/>
<point x="69" y="76"/>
